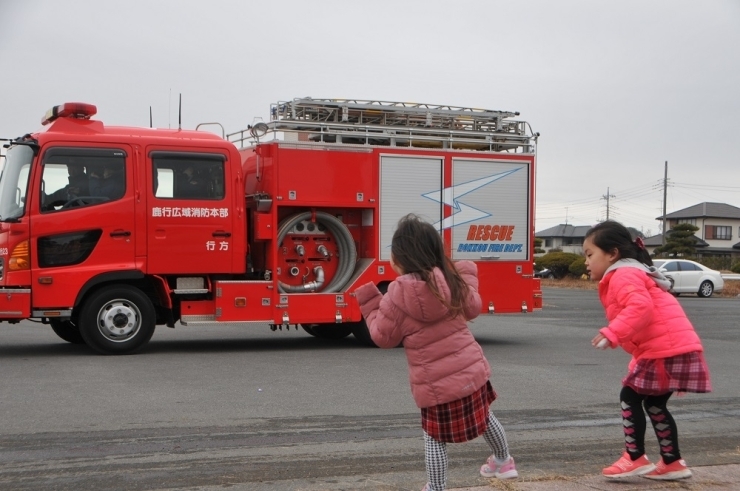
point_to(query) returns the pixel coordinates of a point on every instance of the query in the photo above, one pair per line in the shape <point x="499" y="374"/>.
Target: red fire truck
<point x="107" y="232"/>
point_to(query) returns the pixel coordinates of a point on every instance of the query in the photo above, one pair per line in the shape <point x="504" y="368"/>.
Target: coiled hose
<point x="346" y="249"/>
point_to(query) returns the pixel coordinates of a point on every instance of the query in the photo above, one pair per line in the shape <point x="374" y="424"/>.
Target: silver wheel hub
<point x="119" y="320"/>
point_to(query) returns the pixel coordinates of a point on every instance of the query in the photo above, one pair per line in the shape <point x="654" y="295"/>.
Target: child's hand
<point x="600" y="342"/>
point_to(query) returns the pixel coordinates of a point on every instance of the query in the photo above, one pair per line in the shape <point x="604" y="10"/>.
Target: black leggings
<point x="633" y="419"/>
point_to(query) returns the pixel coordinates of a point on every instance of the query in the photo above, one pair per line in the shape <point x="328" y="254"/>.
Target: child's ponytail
<point x="641" y="253"/>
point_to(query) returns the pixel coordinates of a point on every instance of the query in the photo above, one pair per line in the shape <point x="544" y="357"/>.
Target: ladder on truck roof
<point x="349" y="121"/>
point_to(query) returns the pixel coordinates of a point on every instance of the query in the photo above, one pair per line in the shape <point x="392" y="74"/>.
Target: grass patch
<point x="572" y="283"/>
<point x="732" y="287"/>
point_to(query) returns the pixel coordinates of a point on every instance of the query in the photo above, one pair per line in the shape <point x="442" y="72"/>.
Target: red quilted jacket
<point x="645" y="320"/>
<point x="445" y="361"/>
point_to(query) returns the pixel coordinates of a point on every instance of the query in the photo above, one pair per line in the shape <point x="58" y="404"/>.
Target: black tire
<point x="309" y="329"/>
<point x="362" y="333"/>
<point x="328" y="331"/>
<point x="117" y="320"/>
<point x="66" y="330"/>
<point x="360" y="330"/>
<point x="705" y="289"/>
<point x="549" y="276"/>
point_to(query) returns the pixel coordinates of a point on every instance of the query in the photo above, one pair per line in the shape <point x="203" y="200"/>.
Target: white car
<point x="690" y="277"/>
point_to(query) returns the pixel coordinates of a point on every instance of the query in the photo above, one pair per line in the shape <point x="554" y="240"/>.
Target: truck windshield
<point x="14" y="182"/>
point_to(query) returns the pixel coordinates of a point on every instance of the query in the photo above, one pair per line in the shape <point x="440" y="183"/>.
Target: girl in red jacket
<point x="667" y="355"/>
<point x="427" y="308"/>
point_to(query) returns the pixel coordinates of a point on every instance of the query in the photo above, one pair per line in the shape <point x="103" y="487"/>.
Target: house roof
<point x="657" y="240"/>
<point x="654" y="241"/>
<point x="704" y="210"/>
<point x="562" y="230"/>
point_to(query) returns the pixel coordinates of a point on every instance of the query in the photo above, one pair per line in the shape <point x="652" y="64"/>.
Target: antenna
<point x="179" y="114"/>
<point x="150" y="117"/>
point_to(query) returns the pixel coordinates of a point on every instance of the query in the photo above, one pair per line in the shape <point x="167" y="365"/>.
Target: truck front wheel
<point x="117" y="320"/>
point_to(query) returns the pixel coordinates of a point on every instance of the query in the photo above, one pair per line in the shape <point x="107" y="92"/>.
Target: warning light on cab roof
<point x="78" y="110"/>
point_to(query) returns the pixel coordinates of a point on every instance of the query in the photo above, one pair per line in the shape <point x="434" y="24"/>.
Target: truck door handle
<point x="221" y="233"/>
<point x="120" y="233"/>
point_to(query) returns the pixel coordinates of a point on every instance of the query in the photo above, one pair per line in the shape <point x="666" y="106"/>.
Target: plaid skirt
<point x="461" y="420"/>
<point x="681" y="373"/>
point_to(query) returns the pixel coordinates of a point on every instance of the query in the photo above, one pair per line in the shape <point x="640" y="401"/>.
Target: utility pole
<point x="665" y="196"/>
<point x="607" y="201"/>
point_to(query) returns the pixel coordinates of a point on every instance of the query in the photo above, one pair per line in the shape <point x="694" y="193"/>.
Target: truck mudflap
<point x="15" y="303"/>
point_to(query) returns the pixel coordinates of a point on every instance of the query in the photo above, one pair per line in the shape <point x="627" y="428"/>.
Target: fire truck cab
<point x="107" y="232"/>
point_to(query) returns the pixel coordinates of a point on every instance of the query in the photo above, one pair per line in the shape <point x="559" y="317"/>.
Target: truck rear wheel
<point x="66" y="330"/>
<point x="117" y="320"/>
<point x="328" y="331"/>
<point x="361" y="332"/>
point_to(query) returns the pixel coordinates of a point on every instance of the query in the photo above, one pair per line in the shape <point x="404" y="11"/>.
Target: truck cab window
<point x="75" y="177"/>
<point x="188" y="176"/>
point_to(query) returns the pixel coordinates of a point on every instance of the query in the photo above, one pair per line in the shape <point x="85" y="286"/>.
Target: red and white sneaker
<point x="505" y="470"/>
<point x="626" y="467"/>
<point x="670" y="472"/>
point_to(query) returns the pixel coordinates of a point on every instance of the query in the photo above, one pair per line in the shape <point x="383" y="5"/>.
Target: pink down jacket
<point x="445" y="361"/>
<point x="645" y="320"/>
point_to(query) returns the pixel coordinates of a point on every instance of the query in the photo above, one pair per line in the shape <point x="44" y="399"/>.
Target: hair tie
<point x="639" y="243"/>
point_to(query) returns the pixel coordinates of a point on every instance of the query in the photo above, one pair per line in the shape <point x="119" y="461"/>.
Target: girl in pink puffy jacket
<point x="427" y="308"/>
<point x="667" y="355"/>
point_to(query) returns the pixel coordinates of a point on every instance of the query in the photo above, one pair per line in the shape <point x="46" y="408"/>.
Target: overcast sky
<point x="615" y="88"/>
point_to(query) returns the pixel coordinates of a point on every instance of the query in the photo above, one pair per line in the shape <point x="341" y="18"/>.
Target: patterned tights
<point x="435" y="452"/>
<point x="634" y="425"/>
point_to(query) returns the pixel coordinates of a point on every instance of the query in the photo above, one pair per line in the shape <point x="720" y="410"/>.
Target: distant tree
<point x="578" y="267"/>
<point x="538" y="245"/>
<point x="557" y="262"/>
<point x="679" y="241"/>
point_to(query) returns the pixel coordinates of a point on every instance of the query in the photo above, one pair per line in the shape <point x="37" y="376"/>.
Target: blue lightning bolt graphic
<point x="463" y="213"/>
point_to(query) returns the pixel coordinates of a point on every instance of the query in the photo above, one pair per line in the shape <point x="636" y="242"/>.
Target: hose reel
<point x="313" y="253"/>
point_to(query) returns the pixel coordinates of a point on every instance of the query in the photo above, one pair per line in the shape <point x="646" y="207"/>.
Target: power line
<point x="709" y="187"/>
